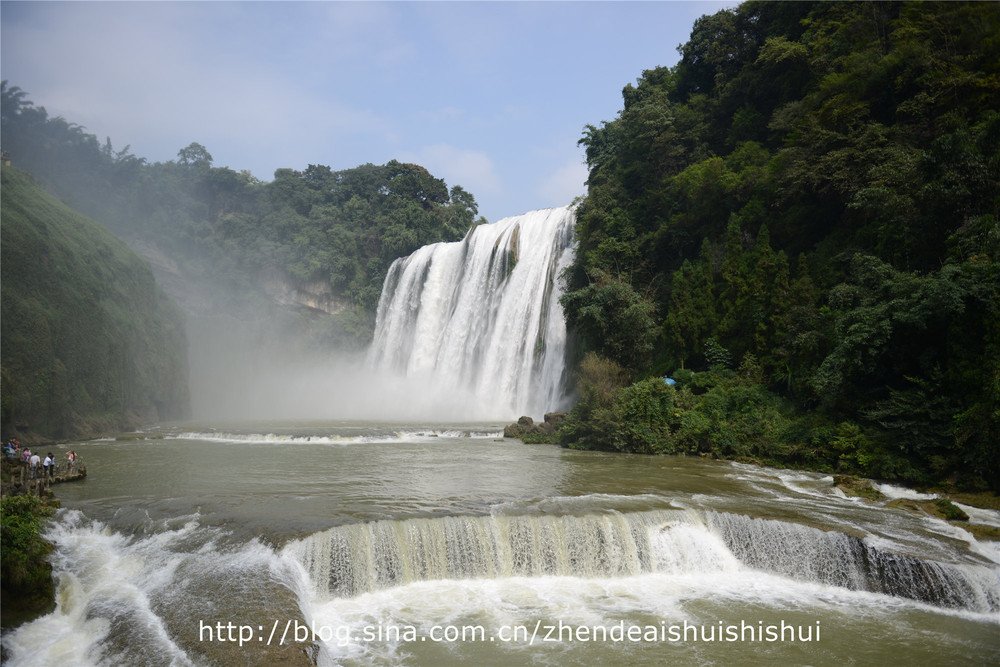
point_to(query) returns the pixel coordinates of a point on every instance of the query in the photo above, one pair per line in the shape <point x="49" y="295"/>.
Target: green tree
<point x="614" y="320"/>
<point x="194" y="155"/>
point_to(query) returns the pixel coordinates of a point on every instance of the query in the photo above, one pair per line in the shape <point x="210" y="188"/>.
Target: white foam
<point x="281" y="439"/>
<point x="981" y="516"/>
<point x="893" y="492"/>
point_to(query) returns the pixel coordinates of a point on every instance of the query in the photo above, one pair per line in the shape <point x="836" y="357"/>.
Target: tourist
<point x="72" y="459"/>
<point x="50" y="465"/>
<point x="33" y="464"/>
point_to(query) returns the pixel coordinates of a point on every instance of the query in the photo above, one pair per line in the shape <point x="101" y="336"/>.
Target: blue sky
<point x="492" y="96"/>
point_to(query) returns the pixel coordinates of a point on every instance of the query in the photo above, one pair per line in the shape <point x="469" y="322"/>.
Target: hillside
<point x="804" y="211"/>
<point x="308" y="249"/>
<point x="89" y="342"/>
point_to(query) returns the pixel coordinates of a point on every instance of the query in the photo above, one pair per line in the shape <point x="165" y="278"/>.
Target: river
<point x="438" y="544"/>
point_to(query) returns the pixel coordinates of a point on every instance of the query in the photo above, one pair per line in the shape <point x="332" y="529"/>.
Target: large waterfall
<point x="478" y="322"/>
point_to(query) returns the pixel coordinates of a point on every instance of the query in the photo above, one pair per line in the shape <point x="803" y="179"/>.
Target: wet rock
<point x="526" y="429"/>
<point x="857" y="487"/>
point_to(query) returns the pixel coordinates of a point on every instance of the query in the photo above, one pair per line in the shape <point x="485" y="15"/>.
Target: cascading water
<point x="478" y="322"/>
<point x="361" y="544"/>
<point x="359" y="558"/>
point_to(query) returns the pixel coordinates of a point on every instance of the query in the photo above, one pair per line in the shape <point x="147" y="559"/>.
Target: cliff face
<point x="90" y="343"/>
<point x="316" y="295"/>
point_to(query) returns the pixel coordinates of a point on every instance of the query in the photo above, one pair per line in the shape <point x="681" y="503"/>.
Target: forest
<point x="797" y="223"/>
<point x="91" y="344"/>
<point x="226" y="229"/>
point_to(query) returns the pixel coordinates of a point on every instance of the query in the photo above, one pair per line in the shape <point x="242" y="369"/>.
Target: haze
<point x="490" y="96"/>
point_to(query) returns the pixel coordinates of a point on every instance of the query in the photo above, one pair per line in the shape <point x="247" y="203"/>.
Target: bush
<point x="950" y="511"/>
<point x="23" y="551"/>
<point x="643" y="412"/>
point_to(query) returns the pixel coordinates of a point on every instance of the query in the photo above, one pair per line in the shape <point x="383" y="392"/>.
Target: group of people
<point x="13" y="449"/>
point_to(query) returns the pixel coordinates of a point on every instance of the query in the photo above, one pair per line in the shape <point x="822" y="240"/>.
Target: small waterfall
<point x="478" y="322"/>
<point x="836" y="559"/>
<point x="350" y="560"/>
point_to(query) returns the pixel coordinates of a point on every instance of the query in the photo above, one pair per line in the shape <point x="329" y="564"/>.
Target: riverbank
<point x="27" y="502"/>
<point x="26" y="584"/>
<point x="942" y="505"/>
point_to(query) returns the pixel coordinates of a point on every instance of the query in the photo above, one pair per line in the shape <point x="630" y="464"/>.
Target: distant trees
<point x="194" y="155"/>
<point x="225" y="227"/>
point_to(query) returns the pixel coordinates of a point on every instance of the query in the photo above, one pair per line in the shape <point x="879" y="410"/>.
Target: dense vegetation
<point x="25" y="574"/>
<point x="228" y="230"/>
<point x="90" y="343"/>
<point x="804" y="210"/>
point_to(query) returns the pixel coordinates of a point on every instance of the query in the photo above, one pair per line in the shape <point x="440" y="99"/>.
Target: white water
<point x="359" y="558"/>
<point x="282" y="439"/>
<point x="478" y="322"/>
<point x="429" y="527"/>
<point x="501" y="571"/>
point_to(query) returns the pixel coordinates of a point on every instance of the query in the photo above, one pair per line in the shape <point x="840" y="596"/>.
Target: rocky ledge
<point x="527" y="430"/>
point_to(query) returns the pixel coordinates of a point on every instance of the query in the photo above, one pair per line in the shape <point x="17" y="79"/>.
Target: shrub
<point x="23" y="551"/>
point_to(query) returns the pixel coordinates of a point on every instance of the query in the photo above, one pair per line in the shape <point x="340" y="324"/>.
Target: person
<point x="50" y="465"/>
<point x="33" y="464"/>
<point x="72" y="459"/>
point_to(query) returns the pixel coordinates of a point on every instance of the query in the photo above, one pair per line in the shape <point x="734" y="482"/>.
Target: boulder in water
<point x="526" y="429"/>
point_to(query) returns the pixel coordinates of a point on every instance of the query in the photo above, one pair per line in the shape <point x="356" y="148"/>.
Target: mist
<point x="474" y="327"/>
<point x="238" y="374"/>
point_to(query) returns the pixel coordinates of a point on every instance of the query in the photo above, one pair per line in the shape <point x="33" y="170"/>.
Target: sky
<point x="492" y="96"/>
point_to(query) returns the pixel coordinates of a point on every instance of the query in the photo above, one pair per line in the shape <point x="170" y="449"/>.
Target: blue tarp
<point x="670" y="381"/>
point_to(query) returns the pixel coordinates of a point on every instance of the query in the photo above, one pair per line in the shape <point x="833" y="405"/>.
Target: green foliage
<point x="591" y="422"/>
<point x="861" y="139"/>
<point x="617" y="321"/>
<point x="644" y="414"/>
<point x="950" y="511"/>
<point x="733" y="418"/>
<point x="611" y="416"/>
<point x="21" y="549"/>
<point x="89" y="341"/>
<point x="227" y="231"/>
<point x="716" y="356"/>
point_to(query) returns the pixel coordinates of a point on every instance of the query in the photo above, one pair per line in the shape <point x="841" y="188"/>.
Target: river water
<point x="441" y="544"/>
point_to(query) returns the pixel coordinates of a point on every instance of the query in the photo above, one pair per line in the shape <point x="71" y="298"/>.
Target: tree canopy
<point x="226" y="229"/>
<point x="815" y="187"/>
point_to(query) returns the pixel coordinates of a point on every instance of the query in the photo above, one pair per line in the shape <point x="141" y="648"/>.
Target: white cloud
<point x="565" y="183"/>
<point x="473" y="170"/>
<point x="144" y="75"/>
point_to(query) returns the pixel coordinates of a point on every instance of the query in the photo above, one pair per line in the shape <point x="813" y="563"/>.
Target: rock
<point x="555" y="419"/>
<point x="526" y="429"/>
<point x="949" y="510"/>
<point x="857" y="486"/>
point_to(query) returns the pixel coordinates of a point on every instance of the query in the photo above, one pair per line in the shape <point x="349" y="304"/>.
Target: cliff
<point x="90" y="342"/>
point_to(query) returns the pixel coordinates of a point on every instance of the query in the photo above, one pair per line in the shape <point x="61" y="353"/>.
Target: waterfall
<point x="350" y="560"/>
<point x="477" y="323"/>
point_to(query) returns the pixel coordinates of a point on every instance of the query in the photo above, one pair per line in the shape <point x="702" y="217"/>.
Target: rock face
<point x="316" y="295"/>
<point x="526" y="429"/>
